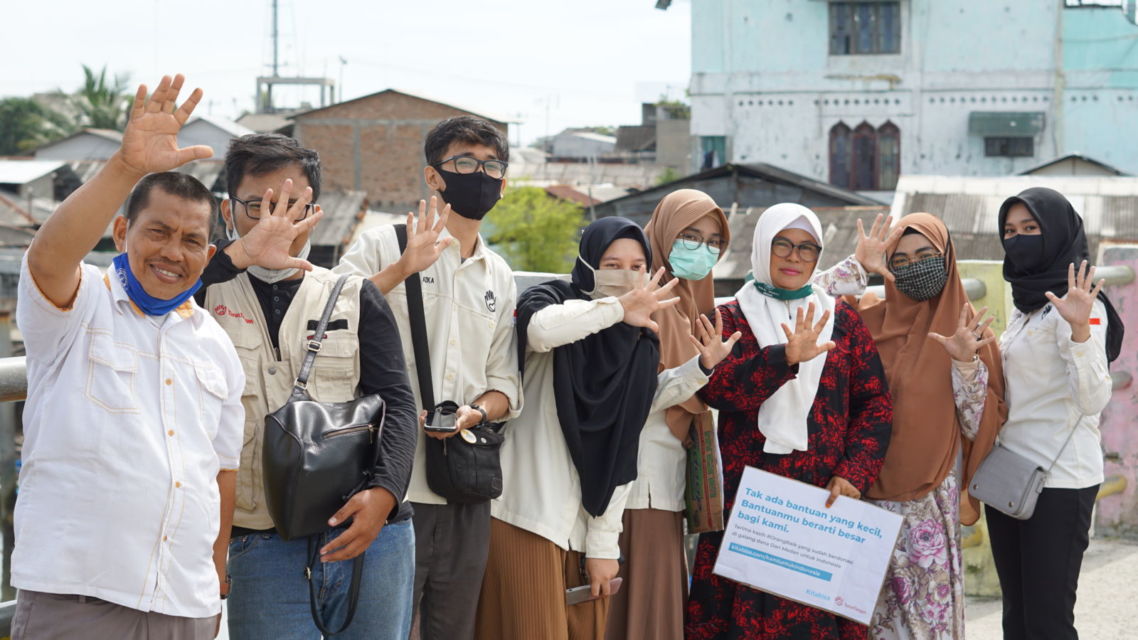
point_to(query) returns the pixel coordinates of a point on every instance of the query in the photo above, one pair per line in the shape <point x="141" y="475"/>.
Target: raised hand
<point x="423" y="244"/>
<point x="267" y="244"/>
<point x="1076" y="306"/>
<point x="640" y="303"/>
<point x="969" y="336"/>
<point x="870" y="251"/>
<point x="802" y="343"/>
<point x="712" y="347"/>
<point x="150" y="142"/>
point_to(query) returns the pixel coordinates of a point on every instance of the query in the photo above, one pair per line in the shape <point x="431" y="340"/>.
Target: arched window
<point x="864" y="158"/>
<point x="840" y="155"/>
<point x="888" y="156"/>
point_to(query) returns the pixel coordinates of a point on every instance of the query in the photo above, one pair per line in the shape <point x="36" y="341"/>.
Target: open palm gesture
<point x="423" y="244"/>
<point x="268" y="243"/>
<point x="870" y="251"/>
<point x="712" y="347"/>
<point x="970" y="334"/>
<point x="640" y="303"/>
<point x="802" y="343"/>
<point x="1076" y="306"/>
<point x="150" y="142"/>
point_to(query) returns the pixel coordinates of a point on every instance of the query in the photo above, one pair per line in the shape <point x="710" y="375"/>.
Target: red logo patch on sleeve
<point x="1096" y="320"/>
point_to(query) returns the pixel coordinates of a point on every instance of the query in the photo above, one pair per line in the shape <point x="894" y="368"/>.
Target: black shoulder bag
<point x="465" y="468"/>
<point x="317" y="455"/>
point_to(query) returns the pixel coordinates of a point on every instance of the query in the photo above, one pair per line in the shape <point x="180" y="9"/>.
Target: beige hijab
<point x="676" y="212"/>
<point x="926" y="430"/>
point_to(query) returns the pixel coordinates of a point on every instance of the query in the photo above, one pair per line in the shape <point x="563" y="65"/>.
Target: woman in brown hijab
<point x="688" y="231"/>
<point x="948" y="404"/>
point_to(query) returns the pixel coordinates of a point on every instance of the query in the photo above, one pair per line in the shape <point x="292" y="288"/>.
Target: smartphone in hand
<point x="441" y="422"/>
<point x="584" y="593"/>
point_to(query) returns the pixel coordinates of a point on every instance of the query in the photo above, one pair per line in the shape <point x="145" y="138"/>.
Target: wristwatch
<point x="485" y="416"/>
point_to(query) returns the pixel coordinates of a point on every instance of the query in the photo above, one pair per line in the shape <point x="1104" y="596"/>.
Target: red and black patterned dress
<point x="849" y="428"/>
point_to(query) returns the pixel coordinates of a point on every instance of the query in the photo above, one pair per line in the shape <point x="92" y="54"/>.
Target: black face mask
<point x="1025" y="252"/>
<point x="471" y="195"/>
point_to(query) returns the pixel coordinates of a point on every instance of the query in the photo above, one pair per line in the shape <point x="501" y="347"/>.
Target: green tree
<point x="102" y="103"/>
<point x="26" y="124"/>
<point x="669" y="174"/>
<point x="535" y="231"/>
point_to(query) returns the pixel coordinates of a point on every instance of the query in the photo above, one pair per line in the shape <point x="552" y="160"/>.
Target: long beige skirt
<point x="523" y="591"/>
<point x="650" y="605"/>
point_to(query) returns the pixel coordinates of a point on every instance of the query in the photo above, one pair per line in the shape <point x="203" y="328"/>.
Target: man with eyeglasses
<point x="468" y="297"/>
<point x="269" y="298"/>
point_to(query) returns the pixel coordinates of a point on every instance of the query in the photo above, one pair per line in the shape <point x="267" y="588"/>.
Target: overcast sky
<point x="591" y="62"/>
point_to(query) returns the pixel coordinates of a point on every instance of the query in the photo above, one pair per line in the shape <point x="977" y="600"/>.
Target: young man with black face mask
<point x="468" y="298"/>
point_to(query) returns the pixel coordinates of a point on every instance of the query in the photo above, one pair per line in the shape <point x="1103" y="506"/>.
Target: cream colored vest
<point x="269" y="377"/>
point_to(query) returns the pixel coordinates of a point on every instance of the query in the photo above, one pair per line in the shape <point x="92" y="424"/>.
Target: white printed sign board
<point x="781" y="538"/>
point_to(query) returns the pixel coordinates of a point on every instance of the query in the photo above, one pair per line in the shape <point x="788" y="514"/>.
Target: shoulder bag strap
<point x="313" y="346"/>
<point x="1065" y="443"/>
<point x="414" y="286"/>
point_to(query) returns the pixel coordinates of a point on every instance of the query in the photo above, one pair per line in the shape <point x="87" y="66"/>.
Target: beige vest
<point x="269" y="377"/>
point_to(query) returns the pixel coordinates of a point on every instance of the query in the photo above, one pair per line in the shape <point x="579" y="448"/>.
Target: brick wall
<point x="375" y="144"/>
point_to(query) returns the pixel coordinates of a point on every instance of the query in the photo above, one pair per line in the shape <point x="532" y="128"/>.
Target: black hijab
<point x="1064" y="242"/>
<point x="604" y="384"/>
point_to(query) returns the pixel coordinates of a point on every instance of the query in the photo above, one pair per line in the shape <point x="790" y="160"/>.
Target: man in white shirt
<point x="468" y="297"/>
<point x="133" y="420"/>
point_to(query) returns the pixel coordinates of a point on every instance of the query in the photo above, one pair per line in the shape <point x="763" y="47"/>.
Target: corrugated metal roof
<point x="343" y="211"/>
<point x="970" y="206"/>
<point x="24" y="171"/>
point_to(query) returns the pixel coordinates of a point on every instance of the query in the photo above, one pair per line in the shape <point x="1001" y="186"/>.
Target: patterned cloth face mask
<point x="922" y="280"/>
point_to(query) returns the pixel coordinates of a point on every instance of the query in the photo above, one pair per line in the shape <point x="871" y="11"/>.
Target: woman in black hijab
<point x="591" y="358"/>
<point x="1056" y="350"/>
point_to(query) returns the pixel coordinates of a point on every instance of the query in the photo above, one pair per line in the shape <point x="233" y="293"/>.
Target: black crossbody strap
<point x="353" y="589"/>
<point x="313" y="346"/>
<point x="414" y="287"/>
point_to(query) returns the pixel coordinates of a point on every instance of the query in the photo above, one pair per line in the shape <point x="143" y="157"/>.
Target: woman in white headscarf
<point x="802" y="395"/>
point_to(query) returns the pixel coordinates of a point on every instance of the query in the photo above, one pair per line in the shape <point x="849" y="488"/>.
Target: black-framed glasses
<point x="252" y="207"/>
<point x="692" y="240"/>
<point x="468" y="164"/>
<point x="901" y="261"/>
<point x="807" y="251"/>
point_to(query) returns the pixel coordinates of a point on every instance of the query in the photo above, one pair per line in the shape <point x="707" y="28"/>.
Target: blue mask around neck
<point x="149" y="305"/>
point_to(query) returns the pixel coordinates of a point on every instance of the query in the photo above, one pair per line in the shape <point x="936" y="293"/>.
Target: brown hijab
<point x="676" y="212"/>
<point x="926" y="429"/>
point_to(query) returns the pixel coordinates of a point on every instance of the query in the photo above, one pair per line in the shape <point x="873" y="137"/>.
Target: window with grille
<point x="1009" y="147"/>
<point x="858" y="28"/>
<point x="864" y="158"/>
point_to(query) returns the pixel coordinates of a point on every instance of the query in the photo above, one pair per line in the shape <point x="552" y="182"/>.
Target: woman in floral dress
<point x="948" y="404"/>
<point x="809" y="404"/>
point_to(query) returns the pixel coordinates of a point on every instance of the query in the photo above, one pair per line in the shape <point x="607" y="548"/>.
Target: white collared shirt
<point x="541" y="487"/>
<point x="1054" y="384"/>
<point x="469" y="310"/>
<point x="128" y="420"/>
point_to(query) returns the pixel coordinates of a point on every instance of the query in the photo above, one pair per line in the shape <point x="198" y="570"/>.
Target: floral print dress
<point x="848" y="427"/>
<point x="923" y="595"/>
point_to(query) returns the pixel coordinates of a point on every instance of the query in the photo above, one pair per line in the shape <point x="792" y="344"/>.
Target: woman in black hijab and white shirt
<point x="591" y="358"/>
<point x="1056" y="351"/>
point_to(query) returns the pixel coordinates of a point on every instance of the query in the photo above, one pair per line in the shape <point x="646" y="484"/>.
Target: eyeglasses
<point x="902" y="261"/>
<point x="466" y="164"/>
<point x="253" y="208"/>
<point x="691" y="240"/>
<point x="807" y="251"/>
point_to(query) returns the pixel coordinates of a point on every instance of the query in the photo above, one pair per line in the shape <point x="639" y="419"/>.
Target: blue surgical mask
<point x="149" y="305"/>
<point x="692" y="264"/>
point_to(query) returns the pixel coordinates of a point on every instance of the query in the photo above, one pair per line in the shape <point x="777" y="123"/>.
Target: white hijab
<point x="782" y="418"/>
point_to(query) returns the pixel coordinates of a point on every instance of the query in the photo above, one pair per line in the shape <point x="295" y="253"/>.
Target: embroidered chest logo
<point x="428" y="279"/>
<point x="491" y="301"/>
<point x="223" y="311"/>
